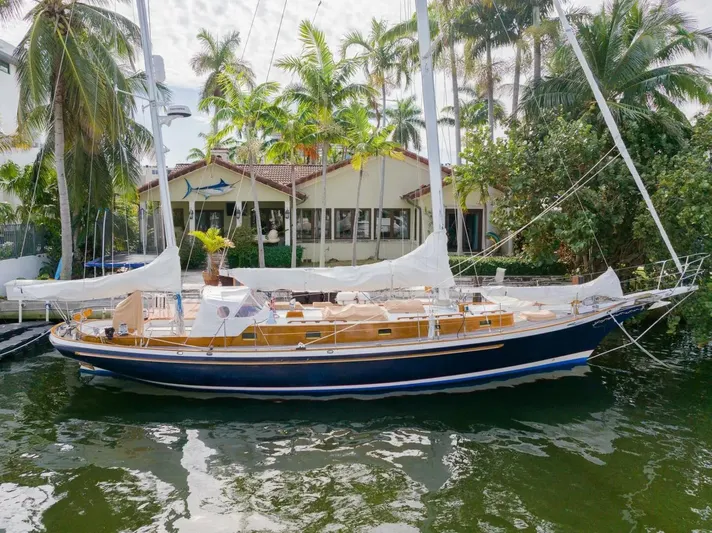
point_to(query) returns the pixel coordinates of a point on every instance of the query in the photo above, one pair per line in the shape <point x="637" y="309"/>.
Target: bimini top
<point x="161" y="275"/>
<point x="426" y="265"/>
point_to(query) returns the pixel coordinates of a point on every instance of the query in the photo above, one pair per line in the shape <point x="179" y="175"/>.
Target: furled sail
<point x="426" y="265"/>
<point x="606" y="285"/>
<point x="163" y="274"/>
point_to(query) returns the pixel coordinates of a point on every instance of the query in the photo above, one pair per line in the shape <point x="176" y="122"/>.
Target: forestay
<point x="161" y="275"/>
<point x="426" y="265"/>
<point x="606" y="285"/>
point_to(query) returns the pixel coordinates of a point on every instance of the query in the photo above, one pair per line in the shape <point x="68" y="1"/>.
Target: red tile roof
<point x="282" y="173"/>
<point x="278" y="176"/>
<point x="183" y="169"/>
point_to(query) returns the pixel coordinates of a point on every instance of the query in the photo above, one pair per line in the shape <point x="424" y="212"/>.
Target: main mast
<point x="165" y="198"/>
<point x="431" y="117"/>
<point x="615" y="133"/>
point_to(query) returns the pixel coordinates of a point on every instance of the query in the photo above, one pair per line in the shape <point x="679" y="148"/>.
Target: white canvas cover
<point x="607" y="284"/>
<point x="426" y="265"/>
<point x="163" y="274"/>
<point x="227" y="311"/>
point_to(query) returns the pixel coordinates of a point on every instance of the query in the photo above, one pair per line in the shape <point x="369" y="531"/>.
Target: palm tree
<point x="68" y="69"/>
<point x="630" y="45"/>
<point x="216" y="55"/>
<point x="473" y="111"/>
<point x="381" y="52"/>
<point x="249" y="115"/>
<point x="406" y="119"/>
<point x="325" y="85"/>
<point x="364" y="140"/>
<point x="297" y="135"/>
<point x="485" y="26"/>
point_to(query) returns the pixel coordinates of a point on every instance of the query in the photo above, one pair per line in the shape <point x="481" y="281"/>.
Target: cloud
<point x="175" y="24"/>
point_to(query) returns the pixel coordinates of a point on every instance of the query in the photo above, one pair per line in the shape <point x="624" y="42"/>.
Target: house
<point x="8" y="111"/>
<point x="219" y="194"/>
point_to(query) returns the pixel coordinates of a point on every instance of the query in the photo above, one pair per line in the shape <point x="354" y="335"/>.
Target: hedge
<point x="279" y="256"/>
<point x="515" y="266"/>
<point x="190" y="248"/>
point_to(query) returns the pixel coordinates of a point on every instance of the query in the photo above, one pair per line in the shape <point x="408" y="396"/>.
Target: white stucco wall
<point x="9" y="96"/>
<point x="402" y="177"/>
<point x="27" y="267"/>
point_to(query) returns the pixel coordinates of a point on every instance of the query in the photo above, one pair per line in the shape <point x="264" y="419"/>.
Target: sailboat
<point x="434" y="336"/>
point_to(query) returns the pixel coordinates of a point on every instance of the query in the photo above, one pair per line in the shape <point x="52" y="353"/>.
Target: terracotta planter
<point x="211" y="279"/>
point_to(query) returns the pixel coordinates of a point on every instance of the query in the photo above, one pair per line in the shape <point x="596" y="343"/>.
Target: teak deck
<point x="326" y="332"/>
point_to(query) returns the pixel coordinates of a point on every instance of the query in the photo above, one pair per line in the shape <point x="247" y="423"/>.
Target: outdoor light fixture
<point x="191" y="214"/>
<point x="238" y="213"/>
<point x="286" y="214"/>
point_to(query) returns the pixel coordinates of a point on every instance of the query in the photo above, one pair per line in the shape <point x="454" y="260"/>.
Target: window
<point x="395" y="224"/>
<point x="209" y="219"/>
<point x="4" y="67"/>
<point x="270" y="218"/>
<point x="343" y="223"/>
<point x="309" y="224"/>
<point x="178" y="220"/>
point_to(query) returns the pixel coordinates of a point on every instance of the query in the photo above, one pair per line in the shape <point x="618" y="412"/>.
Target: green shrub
<point x="515" y="266"/>
<point x="195" y="259"/>
<point x="275" y="256"/>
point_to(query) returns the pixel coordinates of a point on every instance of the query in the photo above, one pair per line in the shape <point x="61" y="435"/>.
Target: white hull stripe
<point x="554" y="361"/>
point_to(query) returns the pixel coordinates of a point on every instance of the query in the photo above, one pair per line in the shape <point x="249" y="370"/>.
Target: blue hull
<point x="339" y="372"/>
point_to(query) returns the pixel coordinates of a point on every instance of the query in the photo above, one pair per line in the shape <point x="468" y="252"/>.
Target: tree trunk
<point x="258" y="218"/>
<point x="293" y="225"/>
<point x="383" y="182"/>
<point x="537" y="47"/>
<point x="357" y="217"/>
<point x="458" y="142"/>
<point x="324" y="165"/>
<point x="490" y="91"/>
<point x="62" y="190"/>
<point x="517" y="80"/>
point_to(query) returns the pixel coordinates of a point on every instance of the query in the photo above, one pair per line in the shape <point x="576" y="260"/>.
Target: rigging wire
<point x="249" y="32"/>
<point x="276" y="40"/>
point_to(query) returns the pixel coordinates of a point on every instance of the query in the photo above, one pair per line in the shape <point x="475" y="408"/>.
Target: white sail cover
<point x="163" y="274"/>
<point x="426" y="265"/>
<point x="607" y="284"/>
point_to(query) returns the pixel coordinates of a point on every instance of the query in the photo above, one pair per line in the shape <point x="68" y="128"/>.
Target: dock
<point x="18" y="336"/>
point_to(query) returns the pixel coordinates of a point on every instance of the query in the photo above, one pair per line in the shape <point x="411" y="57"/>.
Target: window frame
<point x="5" y="67"/>
<point x="352" y="211"/>
<point x="316" y="234"/>
<point x="390" y="237"/>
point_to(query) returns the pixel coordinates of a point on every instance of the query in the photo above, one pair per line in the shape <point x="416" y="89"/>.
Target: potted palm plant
<point x="213" y="243"/>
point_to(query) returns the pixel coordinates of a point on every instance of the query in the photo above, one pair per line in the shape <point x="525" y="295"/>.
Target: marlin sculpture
<point x="209" y="190"/>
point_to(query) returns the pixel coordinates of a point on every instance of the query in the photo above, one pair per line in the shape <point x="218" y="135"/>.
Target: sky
<point x="175" y="23"/>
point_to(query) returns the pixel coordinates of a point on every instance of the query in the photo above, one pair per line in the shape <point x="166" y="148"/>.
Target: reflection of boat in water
<point x="536" y="398"/>
<point x="240" y="341"/>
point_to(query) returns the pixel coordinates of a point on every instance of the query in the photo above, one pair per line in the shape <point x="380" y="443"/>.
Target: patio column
<point x="191" y="215"/>
<point x="288" y="223"/>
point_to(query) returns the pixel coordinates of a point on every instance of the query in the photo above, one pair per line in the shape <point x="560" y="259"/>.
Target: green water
<point x="626" y="446"/>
